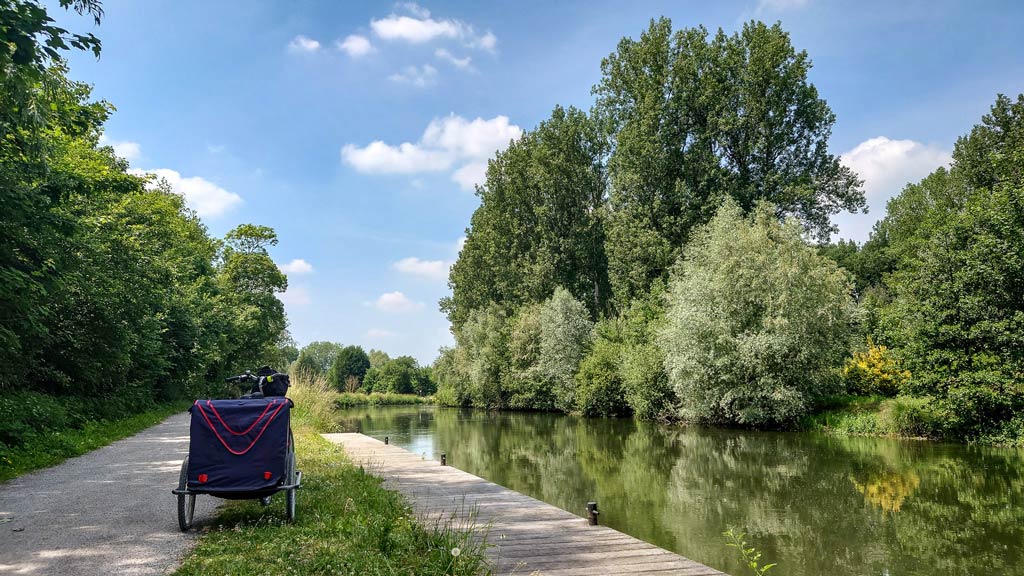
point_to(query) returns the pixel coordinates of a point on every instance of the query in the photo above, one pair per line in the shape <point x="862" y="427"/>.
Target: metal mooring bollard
<point x="592" y="513"/>
<point x="385" y="440"/>
<point x="444" y="459"/>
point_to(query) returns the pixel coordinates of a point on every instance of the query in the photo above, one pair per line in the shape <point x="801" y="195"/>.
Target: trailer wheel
<point x="186" y="502"/>
<point x="290" y="494"/>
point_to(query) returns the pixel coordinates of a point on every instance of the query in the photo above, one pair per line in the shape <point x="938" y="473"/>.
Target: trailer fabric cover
<point x="238" y="445"/>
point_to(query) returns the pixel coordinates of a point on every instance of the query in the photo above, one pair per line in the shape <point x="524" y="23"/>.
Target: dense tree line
<point x="113" y="294"/>
<point x="655" y="256"/>
<point x="352" y="369"/>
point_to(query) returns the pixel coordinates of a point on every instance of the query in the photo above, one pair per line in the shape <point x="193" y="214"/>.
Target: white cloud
<point x="470" y="175"/>
<point x="215" y="148"/>
<point x="486" y="42"/>
<point x="295" y="295"/>
<point x="296" y="267"/>
<point x="476" y="138"/>
<point x="414" y="9"/>
<point x="417" y="30"/>
<point x="886" y="166"/>
<point x="355" y="45"/>
<point x="381" y="158"/>
<point x="460" y="244"/>
<point x="303" y="44"/>
<point x="419" y="77"/>
<point x="201" y="195"/>
<point x="396" y="303"/>
<point x="420" y="28"/>
<point x="378" y="333"/>
<point x="436" y="270"/>
<point x="446" y="142"/>
<point x="461" y="63"/>
<point x="123" y="148"/>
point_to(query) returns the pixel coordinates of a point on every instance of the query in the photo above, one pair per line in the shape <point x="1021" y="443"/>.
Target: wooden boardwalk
<point x="525" y="536"/>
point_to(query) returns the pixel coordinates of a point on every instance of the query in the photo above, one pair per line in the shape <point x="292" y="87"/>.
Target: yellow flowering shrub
<point x="874" y="371"/>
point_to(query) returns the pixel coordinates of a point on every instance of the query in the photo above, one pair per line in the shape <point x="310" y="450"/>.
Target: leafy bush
<point x="647" y="389"/>
<point x="452" y="375"/>
<point x="23" y="414"/>
<point x="874" y="371"/>
<point x="978" y="403"/>
<point x="564" y="339"/>
<point x="757" y="321"/>
<point x="598" y="383"/>
<point x="525" y="386"/>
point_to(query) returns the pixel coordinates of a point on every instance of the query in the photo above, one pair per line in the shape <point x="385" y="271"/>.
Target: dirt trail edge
<point x="110" y="511"/>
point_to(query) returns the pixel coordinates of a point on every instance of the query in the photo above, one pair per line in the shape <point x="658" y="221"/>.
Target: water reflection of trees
<point x="816" y="504"/>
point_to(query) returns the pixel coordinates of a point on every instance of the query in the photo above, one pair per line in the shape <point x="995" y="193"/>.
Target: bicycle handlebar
<point x="247" y="377"/>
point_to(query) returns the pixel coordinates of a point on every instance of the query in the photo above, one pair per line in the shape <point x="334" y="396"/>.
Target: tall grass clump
<point x="314" y="400"/>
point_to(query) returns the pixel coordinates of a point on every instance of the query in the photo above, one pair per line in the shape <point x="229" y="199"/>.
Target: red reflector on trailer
<point x="202" y="478"/>
<point x="267" y="475"/>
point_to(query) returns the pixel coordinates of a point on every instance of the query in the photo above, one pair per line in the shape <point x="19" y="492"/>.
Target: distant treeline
<point x="352" y="369"/>
<point x="666" y="255"/>
<point x="113" y="295"/>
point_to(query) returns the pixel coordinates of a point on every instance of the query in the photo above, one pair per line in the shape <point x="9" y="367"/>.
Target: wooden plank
<point x="524" y="535"/>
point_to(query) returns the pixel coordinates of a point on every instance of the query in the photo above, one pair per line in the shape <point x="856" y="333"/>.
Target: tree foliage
<point x="757" y="320"/>
<point x="539" y="222"/>
<point x="113" y="293"/>
<point x="316" y="358"/>
<point x="401" y="375"/>
<point x="349" y="362"/>
<point x="956" y="317"/>
<point x="697" y="118"/>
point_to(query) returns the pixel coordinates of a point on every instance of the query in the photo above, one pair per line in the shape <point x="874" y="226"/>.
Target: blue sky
<point x="357" y="129"/>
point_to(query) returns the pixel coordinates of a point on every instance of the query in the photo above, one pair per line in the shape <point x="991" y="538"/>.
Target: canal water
<point x="814" y="504"/>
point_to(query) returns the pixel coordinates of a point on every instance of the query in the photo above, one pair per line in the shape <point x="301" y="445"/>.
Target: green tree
<point x="401" y="375"/>
<point x="645" y="383"/>
<point x="599" y="390"/>
<point x="565" y="337"/>
<point x="451" y="373"/>
<point x="757" y="321"/>
<point x="957" y="313"/>
<point x="250" y="281"/>
<point x="695" y="119"/>
<point x="526" y="386"/>
<point x="38" y="104"/>
<point x="351" y="362"/>
<point x="316" y="358"/>
<point x="378" y="358"/>
<point x="539" y="222"/>
<point x="484" y="337"/>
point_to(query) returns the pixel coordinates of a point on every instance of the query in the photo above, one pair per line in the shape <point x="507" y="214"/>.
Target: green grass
<point x="900" y="417"/>
<point x="348" y="523"/>
<point x="52" y="447"/>
<point x="350" y="399"/>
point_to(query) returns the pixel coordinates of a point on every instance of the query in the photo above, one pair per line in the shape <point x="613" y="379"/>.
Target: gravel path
<point x="110" y="511"/>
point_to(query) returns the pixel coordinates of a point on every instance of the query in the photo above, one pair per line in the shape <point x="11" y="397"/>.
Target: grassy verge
<point x="348" y="523"/>
<point x="901" y="417"/>
<point x="53" y="447"/>
<point x="350" y="399"/>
